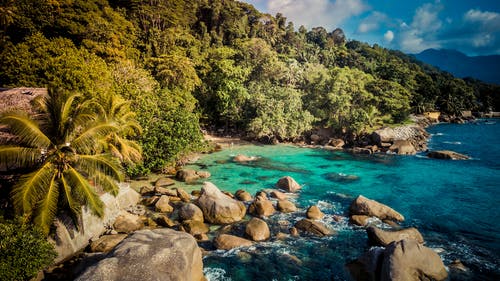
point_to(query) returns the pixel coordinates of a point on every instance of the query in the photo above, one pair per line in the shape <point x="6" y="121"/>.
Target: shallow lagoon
<point x="453" y="203"/>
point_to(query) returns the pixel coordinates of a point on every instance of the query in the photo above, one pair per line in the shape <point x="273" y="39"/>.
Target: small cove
<point x="453" y="203"/>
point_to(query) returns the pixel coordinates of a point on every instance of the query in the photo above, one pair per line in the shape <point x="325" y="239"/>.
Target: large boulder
<point x="106" y="243"/>
<point x="288" y="183"/>
<point x="190" y="211"/>
<point x="261" y="207"/>
<point x="403" y="147"/>
<point x="187" y="175"/>
<point x="364" y="206"/>
<point x="409" y="260"/>
<point x="314" y="227"/>
<point x="160" y="254"/>
<point x="217" y="207"/>
<point x="381" y="237"/>
<point x="447" y="155"/>
<point x="286" y="206"/>
<point x="228" y="242"/>
<point x="314" y="213"/>
<point x="257" y="230"/>
<point x="384" y="135"/>
<point x="127" y="222"/>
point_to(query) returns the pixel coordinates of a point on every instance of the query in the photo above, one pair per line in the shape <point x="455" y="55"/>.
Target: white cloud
<point x="480" y="16"/>
<point x="372" y="22"/>
<point x="313" y="13"/>
<point x="389" y="36"/>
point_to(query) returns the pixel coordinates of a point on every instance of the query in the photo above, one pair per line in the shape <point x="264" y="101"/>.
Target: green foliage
<point x="24" y="251"/>
<point x="64" y="165"/>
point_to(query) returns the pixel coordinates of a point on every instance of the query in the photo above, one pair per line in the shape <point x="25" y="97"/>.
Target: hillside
<point x="485" y="68"/>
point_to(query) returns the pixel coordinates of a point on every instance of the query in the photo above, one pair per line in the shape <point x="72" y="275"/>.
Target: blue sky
<point x="472" y="26"/>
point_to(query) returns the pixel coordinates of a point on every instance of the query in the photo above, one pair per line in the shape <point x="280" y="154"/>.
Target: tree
<point x="64" y="169"/>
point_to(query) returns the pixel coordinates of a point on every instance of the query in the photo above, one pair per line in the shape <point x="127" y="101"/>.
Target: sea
<point x="455" y="204"/>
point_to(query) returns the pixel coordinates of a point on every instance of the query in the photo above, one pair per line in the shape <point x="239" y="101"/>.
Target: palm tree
<point x="66" y="167"/>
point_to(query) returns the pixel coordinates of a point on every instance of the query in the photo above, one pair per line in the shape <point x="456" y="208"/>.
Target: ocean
<point x="454" y="204"/>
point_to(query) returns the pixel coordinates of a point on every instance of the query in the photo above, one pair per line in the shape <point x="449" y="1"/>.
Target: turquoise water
<point x="453" y="203"/>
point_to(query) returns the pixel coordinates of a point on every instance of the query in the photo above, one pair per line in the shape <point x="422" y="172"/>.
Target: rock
<point x="364" y="206"/>
<point x="257" y="230"/>
<point x="163" y="220"/>
<point x="190" y="212"/>
<point x="244" y="158"/>
<point x="403" y="147"/>
<point x="286" y="206"/>
<point x="261" y="207"/>
<point x="106" y="243"/>
<point x="163" y="205"/>
<point x="314" y="213"/>
<point x="160" y="254"/>
<point x="289" y="184"/>
<point x="278" y="195"/>
<point x="146" y="189"/>
<point x="409" y="260"/>
<point x="196" y="193"/>
<point x="126" y="223"/>
<point x="217" y="207"/>
<point x="360" y="220"/>
<point x="337" y="143"/>
<point x="313" y="227"/>
<point x="337" y="218"/>
<point x="201" y="237"/>
<point x="243" y="195"/>
<point x="261" y="194"/>
<point x="228" y="242"/>
<point x="162" y="182"/>
<point x="315" y="138"/>
<point x="183" y="195"/>
<point x="195" y="227"/>
<point x="447" y="154"/>
<point x="203" y="174"/>
<point x="381" y="237"/>
<point x="361" y="150"/>
<point x="294" y="232"/>
<point x="149" y="201"/>
<point x="383" y="135"/>
<point x="165" y="191"/>
<point x="187" y="175"/>
<point x="280" y="236"/>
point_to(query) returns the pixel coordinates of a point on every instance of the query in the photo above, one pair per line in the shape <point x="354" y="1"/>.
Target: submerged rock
<point x="244" y="158"/>
<point x="288" y="183"/>
<point x="447" y="154"/>
<point x="381" y="237"/>
<point x="364" y="206"/>
<point x="228" y="242"/>
<point x="217" y="207"/>
<point x="257" y="230"/>
<point x="160" y="254"/>
<point x="340" y="177"/>
<point x="314" y="227"/>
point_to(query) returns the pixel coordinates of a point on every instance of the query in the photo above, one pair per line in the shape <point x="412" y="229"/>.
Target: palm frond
<point x="100" y="163"/>
<point x="31" y="188"/>
<point x="46" y="209"/>
<point x="67" y="198"/>
<point x="19" y="156"/>
<point x="106" y="183"/>
<point x="84" y="192"/>
<point x="26" y="129"/>
<point x="87" y="141"/>
<point x="130" y="151"/>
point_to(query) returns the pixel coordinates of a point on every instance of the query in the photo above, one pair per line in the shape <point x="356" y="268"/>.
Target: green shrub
<point x="24" y="251"/>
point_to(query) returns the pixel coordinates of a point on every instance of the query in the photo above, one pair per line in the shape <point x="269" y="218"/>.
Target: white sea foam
<point x="452" y="142"/>
<point x="215" y="274"/>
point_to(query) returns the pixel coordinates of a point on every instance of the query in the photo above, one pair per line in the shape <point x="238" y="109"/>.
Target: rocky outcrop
<point x="381" y="237"/>
<point x="190" y="211"/>
<point x="257" y="230"/>
<point x="261" y="207"/>
<point x="364" y="206"/>
<point x="314" y="213"/>
<point x="243" y="195"/>
<point x="160" y="254"/>
<point x="286" y="206"/>
<point x="313" y="227"/>
<point x="217" y="207"/>
<point x="447" y="155"/>
<point x="106" y="243"/>
<point x="402" y="260"/>
<point x="384" y="135"/>
<point x="400" y="138"/>
<point x="228" y="242"/>
<point x="402" y="147"/>
<point x="127" y="222"/>
<point x="288" y="183"/>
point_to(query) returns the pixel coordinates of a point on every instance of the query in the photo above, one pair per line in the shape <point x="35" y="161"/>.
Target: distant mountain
<point x="485" y="68"/>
